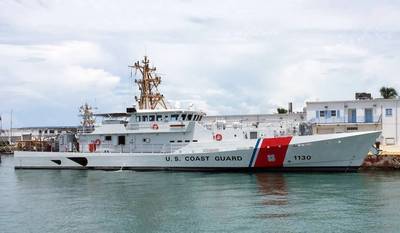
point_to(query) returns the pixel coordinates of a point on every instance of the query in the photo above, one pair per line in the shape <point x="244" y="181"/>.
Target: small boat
<point x="153" y="136"/>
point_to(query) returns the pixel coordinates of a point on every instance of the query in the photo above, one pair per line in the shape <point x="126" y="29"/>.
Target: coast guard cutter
<point x="153" y="136"/>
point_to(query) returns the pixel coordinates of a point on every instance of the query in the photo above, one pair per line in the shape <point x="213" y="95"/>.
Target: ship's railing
<point x="194" y="147"/>
<point x="156" y="125"/>
<point x="141" y="148"/>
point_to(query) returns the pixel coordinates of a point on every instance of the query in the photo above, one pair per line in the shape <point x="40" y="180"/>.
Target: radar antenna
<point x="150" y="97"/>
<point x="88" y="120"/>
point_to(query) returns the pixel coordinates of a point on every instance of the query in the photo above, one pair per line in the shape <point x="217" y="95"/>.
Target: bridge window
<point x="166" y="118"/>
<point x="174" y="117"/>
<point x="190" y="117"/>
<point x="183" y="117"/>
<point x="200" y="118"/>
<point x="144" y="118"/>
<point x="159" y="117"/>
<point x="152" y="118"/>
<point x="108" y="138"/>
<point x="195" y="117"/>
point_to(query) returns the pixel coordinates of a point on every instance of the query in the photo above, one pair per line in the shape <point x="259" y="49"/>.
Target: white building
<point x="356" y="115"/>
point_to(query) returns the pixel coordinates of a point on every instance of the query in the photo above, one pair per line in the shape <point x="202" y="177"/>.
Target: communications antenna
<point x="150" y="97"/>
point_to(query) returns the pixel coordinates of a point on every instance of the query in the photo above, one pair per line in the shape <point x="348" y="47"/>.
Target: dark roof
<point x="113" y="114"/>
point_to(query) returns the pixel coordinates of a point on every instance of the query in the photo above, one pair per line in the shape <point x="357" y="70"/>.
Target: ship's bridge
<point x="166" y="115"/>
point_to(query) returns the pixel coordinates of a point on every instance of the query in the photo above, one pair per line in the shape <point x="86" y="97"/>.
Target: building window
<point x="121" y="140"/>
<point x="333" y="113"/>
<point x="321" y="113"/>
<point x="108" y="138"/>
<point x="388" y="112"/>
<point x="52" y="131"/>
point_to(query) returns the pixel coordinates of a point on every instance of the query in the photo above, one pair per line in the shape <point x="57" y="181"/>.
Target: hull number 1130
<point x="302" y="157"/>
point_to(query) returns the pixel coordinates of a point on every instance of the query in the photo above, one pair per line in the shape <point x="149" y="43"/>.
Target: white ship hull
<point x="334" y="152"/>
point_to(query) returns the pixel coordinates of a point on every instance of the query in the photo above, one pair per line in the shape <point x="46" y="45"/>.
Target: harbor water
<point x="128" y="201"/>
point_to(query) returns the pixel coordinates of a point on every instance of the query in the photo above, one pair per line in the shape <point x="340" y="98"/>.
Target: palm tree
<point x="388" y="92"/>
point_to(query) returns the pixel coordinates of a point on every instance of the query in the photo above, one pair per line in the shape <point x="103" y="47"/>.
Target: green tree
<point x="388" y="92"/>
<point x="281" y="110"/>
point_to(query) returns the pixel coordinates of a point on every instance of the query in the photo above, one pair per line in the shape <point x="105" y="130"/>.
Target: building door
<point x="368" y="115"/>
<point x="352" y="116"/>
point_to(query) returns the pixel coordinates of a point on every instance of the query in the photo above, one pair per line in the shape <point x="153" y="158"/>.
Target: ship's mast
<point x="150" y="97"/>
<point x="88" y="120"/>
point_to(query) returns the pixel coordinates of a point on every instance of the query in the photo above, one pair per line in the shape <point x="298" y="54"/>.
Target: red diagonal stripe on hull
<point x="272" y="152"/>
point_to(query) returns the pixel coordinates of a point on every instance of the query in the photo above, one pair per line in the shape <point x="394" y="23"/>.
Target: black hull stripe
<point x="206" y="169"/>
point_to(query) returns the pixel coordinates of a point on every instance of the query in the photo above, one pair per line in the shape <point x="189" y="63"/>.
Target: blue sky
<point x="225" y="57"/>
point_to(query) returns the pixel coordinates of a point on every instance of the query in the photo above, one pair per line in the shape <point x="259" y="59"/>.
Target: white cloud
<point x="57" y="76"/>
<point x="227" y="57"/>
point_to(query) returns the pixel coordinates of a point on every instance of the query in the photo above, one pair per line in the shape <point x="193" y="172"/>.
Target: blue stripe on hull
<point x="254" y="152"/>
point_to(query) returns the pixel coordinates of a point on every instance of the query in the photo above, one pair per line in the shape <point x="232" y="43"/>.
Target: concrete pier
<point x="388" y="159"/>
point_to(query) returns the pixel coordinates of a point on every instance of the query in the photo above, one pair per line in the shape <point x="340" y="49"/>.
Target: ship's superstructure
<point x="153" y="136"/>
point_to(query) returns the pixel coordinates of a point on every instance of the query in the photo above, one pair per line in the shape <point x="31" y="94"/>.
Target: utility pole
<point x="11" y="126"/>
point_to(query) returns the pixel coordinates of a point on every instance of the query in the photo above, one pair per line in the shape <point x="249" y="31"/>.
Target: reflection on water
<point x="100" y="201"/>
<point x="274" y="192"/>
<point x="273" y="188"/>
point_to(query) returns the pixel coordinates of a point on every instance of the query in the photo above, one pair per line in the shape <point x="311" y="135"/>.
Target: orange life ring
<point x="154" y="126"/>
<point x="218" y="137"/>
<point x="97" y="142"/>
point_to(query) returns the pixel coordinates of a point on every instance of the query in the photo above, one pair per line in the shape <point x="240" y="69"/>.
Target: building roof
<point x="354" y="101"/>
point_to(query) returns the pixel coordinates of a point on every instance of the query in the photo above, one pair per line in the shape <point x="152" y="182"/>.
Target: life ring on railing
<point x="97" y="142"/>
<point x="218" y="137"/>
<point x="154" y="126"/>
